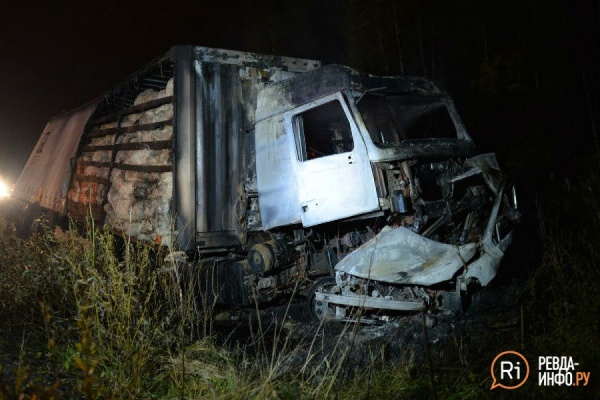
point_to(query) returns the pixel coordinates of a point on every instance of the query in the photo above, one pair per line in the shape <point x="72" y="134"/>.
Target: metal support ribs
<point x="133" y="109"/>
<point x="143" y="168"/>
<point x="128" y="167"/>
<point x="127" y="129"/>
<point x="157" y="145"/>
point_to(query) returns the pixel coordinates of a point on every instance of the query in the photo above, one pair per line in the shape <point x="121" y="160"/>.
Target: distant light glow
<point x="4" y="189"/>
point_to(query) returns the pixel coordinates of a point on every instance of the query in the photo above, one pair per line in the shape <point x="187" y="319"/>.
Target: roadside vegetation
<point x="83" y="316"/>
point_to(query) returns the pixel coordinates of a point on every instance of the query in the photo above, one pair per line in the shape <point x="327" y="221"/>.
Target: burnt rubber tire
<point x="310" y="297"/>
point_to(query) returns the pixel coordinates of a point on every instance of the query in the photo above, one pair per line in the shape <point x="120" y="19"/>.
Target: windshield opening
<point x="392" y="119"/>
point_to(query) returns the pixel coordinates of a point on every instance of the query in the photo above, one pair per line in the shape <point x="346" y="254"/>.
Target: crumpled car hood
<point x="401" y="256"/>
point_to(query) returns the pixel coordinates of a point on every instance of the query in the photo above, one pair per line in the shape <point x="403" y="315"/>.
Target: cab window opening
<point x="322" y="131"/>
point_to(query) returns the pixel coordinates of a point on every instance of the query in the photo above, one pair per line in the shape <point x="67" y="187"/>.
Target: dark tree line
<point x="524" y="73"/>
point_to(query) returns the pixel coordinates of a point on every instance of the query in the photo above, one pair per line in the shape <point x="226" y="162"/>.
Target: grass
<point x="88" y="317"/>
<point x="108" y="326"/>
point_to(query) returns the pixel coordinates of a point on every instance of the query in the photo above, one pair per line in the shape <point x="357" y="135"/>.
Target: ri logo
<point x="509" y="370"/>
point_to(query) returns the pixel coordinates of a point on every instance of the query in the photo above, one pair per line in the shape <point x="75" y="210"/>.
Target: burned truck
<point x="362" y="195"/>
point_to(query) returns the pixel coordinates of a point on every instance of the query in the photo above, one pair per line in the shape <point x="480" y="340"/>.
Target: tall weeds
<point x="563" y="301"/>
<point x="121" y="309"/>
<point x="120" y="305"/>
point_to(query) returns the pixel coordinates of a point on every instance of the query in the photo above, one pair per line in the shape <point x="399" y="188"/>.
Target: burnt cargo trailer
<point x="165" y="151"/>
<point x="276" y="174"/>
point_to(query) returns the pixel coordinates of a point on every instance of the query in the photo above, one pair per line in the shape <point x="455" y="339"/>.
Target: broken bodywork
<point x="403" y="269"/>
<point x="276" y="175"/>
<point x="390" y="204"/>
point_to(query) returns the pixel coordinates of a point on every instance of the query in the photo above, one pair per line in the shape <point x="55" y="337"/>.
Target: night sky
<point x="510" y="65"/>
<point x="58" y="55"/>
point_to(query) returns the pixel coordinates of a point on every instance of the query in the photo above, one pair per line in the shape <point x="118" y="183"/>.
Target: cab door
<point x="333" y="171"/>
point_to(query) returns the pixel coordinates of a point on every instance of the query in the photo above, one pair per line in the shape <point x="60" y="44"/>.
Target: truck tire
<point x="312" y="308"/>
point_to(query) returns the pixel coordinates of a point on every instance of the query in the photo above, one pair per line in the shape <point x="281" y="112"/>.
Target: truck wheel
<point x="317" y="311"/>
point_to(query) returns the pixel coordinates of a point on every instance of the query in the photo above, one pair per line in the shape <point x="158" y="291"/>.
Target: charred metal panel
<point x="219" y="152"/>
<point x="285" y="95"/>
<point x="485" y="268"/>
<point x="46" y="176"/>
<point x="402" y="256"/>
<point x="185" y="145"/>
<point x="332" y="78"/>
<point x="224" y="282"/>
<point x="276" y="178"/>
<point x="311" y="85"/>
<point x="255" y="60"/>
<point x="227" y="85"/>
<point x="337" y="185"/>
<point x="421" y="148"/>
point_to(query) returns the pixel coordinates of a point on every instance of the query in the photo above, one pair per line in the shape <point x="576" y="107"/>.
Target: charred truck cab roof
<point x="368" y="96"/>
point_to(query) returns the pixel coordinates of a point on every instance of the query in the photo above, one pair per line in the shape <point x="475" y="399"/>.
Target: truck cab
<point x="381" y="173"/>
<point x="332" y="150"/>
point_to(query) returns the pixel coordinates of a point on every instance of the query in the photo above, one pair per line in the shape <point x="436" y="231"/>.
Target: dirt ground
<point x="493" y="314"/>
